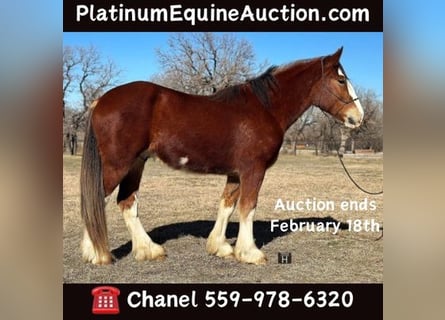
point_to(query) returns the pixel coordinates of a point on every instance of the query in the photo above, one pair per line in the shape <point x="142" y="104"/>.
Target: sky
<point x="134" y="52"/>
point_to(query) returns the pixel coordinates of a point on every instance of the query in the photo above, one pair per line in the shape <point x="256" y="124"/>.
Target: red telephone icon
<point x="105" y="300"/>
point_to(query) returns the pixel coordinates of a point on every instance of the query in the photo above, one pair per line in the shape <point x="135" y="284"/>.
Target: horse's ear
<point x="335" y="57"/>
<point x="339" y="52"/>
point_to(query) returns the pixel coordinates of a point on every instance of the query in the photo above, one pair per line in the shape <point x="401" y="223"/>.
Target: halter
<point x="326" y="88"/>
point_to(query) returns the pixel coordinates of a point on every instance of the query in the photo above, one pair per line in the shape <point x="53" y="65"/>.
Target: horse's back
<point x="133" y="92"/>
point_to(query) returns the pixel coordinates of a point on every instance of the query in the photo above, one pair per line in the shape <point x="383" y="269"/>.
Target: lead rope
<point x="353" y="181"/>
<point x="340" y="156"/>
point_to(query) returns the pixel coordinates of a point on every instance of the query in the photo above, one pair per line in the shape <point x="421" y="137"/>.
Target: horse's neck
<point x="296" y="90"/>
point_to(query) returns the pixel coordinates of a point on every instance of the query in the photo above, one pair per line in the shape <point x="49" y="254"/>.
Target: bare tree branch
<point x="202" y="63"/>
<point x="84" y="72"/>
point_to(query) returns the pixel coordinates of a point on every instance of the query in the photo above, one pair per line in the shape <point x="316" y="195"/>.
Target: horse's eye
<point x="342" y="80"/>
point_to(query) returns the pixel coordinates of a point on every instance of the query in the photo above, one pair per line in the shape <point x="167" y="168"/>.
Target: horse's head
<point x="336" y="94"/>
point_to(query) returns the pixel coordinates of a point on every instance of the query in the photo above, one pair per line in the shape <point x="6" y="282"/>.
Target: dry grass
<point x="178" y="210"/>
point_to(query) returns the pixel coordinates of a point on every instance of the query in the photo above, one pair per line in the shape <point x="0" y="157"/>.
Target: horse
<point x="237" y="132"/>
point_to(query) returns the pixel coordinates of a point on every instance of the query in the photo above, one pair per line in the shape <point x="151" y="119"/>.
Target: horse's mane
<point x="260" y="86"/>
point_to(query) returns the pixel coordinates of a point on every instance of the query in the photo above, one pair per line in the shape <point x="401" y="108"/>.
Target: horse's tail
<point x="92" y="193"/>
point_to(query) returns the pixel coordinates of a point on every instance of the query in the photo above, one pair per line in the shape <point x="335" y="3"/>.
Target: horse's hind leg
<point x="143" y="247"/>
<point x="216" y="243"/>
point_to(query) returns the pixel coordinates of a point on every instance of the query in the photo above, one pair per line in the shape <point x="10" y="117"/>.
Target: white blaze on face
<point x="353" y="95"/>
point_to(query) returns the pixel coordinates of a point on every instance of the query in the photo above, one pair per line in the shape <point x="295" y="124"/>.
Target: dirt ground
<point x="178" y="210"/>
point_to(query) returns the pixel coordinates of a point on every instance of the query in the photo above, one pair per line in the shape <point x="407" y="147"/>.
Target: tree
<point x="203" y="63"/>
<point x="326" y="133"/>
<point x="86" y="74"/>
<point x="370" y="134"/>
<point x="296" y="131"/>
<point x="70" y="61"/>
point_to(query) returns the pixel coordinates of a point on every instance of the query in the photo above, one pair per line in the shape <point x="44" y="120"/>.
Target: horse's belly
<point x="196" y="157"/>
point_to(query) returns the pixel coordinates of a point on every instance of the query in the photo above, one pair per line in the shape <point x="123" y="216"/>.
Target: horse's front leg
<point x="217" y="243"/>
<point x="245" y="248"/>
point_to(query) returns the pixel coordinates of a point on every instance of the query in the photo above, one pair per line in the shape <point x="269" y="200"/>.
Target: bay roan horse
<point x="236" y="132"/>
